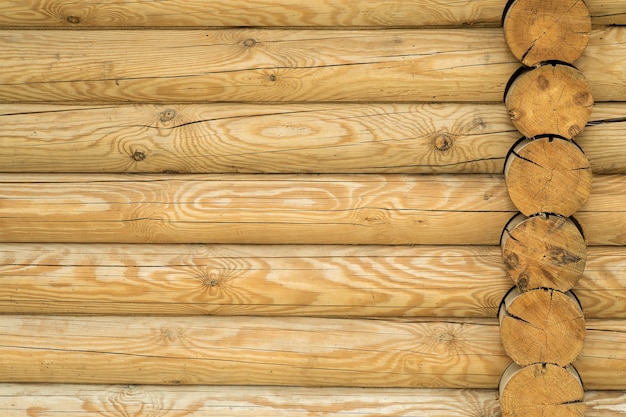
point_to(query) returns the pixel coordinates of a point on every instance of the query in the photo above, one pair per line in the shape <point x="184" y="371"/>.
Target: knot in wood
<point x="167" y="115"/>
<point x="138" y="156"/>
<point x="73" y="20"/>
<point x="443" y="141"/>
<point x="249" y="43"/>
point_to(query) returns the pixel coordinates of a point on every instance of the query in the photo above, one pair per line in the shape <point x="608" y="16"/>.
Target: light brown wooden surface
<point x="551" y="99"/>
<point x="279" y="209"/>
<point x="280" y="351"/>
<point x="542" y="326"/>
<point x="281" y="138"/>
<point x="61" y="13"/>
<point x="543" y="252"/>
<point x="17" y="400"/>
<point x="548" y="175"/>
<point x="421" y="281"/>
<point x="540" y="390"/>
<point x="454" y="65"/>
<point x="547" y="30"/>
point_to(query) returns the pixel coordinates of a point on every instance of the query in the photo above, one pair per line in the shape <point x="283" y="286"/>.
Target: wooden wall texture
<point x="278" y="208"/>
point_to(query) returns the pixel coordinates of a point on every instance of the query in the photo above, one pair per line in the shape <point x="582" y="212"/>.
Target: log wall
<point x="228" y="196"/>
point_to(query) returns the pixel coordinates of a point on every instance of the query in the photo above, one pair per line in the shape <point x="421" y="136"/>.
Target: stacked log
<point x="226" y="197"/>
<point x="548" y="178"/>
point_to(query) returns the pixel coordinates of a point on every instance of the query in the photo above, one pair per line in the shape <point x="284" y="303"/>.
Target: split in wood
<point x="541" y="326"/>
<point x="541" y="390"/>
<point x="542" y="30"/>
<point x="543" y="251"/>
<point x="547" y="175"/>
<point x="554" y="98"/>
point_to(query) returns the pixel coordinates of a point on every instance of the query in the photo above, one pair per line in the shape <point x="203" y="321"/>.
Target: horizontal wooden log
<point x="423" y="281"/>
<point x="281" y="138"/>
<point x="454" y="65"/>
<point x="280" y="351"/>
<point x="279" y="209"/>
<point x="71" y="14"/>
<point x="17" y="400"/>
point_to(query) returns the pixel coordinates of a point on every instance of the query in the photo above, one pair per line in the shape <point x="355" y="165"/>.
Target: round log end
<point x="543" y="251"/>
<point x="543" y="30"/>
<point x="551" y="99"/>
<point x="542" y="325"/>
<point x="541" y="390"/>
<point x="548" y="175"/>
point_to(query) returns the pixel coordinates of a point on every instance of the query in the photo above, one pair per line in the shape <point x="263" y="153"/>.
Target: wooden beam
<point x="281" y="138"/>
<point x="51" y="400"/>
<point x="374" y="281"/>
<point x="280" y="351"/>
<point x="454" y="65"/>
<point x="69" y="14"/>
<point x="279" y="209"/>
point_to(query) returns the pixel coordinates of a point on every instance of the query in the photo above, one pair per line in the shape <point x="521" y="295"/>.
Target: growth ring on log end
<point x="547" y="175"/>
<point x="551" y="99"/>
<point x="545" y="30"/>
<point x="544" y="251"/>
<point x="541" y="390"/>
<point x="541" y="325"/>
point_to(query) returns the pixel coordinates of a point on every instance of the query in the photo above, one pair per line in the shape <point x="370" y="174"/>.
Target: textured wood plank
<point x="71" y="14"/>
<point x="422" y="281"/>
<point x="452" y="65"/>
<point x="279" y="209"/>
<point x="141" y="401"/>
<point x="281" y="138"/>
<point x="18" y="400"/>
<point x="280" y="351"/>
<point x="239" y="208"/>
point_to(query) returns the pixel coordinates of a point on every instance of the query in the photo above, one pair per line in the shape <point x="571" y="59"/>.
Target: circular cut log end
<point x="540" y="326"/>
<point x="548" y="175"/>
<point x="544" y="30"/>
<point x="551" y="99"/>
<point x="541" y="390"/>
<point x="543" y="252"/>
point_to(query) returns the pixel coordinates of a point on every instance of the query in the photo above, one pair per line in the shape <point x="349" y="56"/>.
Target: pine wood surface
<point x="543" y="252"/>
<point x="546" y="30"/>
<point x="72" y="14"/>
<point x="455" y="65"/>
<point x="421" y="281"/>
<point x="542" y="326"/>
<point x="455" y="353"/>
<point x="540" y="390"/>
<point x="548" y="175"/>
<point x="551" y="99"/>
<point x="17" y="400"/>
<point x="279" y="209"/>
<point x="281" y="138"/>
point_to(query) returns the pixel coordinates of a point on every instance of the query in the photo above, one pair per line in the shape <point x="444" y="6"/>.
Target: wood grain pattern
<point x="281" y="138"/>
<point x="233" y="65"/>
<point x="279" y="209"/>
<point x="189" y="401"/>
<point x="423" y="281"/>
<point x="280" y="351"/>
<point x="71" y="14"/>
<point x="253" y="209"/>
<point x="17" y="400"/>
